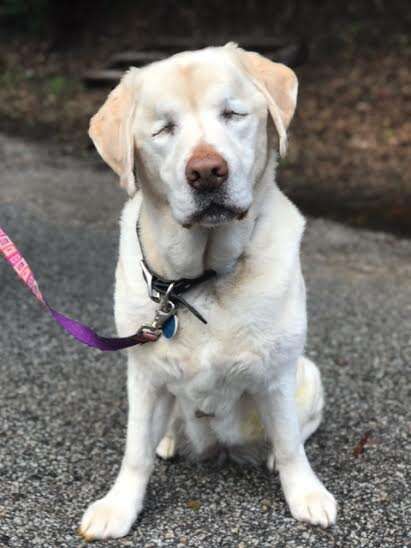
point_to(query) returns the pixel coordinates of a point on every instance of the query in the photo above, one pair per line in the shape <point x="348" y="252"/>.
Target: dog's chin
<point x="215" y="215"/>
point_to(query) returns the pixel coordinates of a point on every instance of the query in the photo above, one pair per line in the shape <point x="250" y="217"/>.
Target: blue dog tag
<point x="170" y="327"/>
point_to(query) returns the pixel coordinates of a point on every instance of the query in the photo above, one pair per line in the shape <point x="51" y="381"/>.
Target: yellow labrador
<point x="193" y="139"/>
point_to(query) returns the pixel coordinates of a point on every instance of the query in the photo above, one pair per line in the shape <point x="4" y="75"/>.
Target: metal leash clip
<point x="166" y="310"/>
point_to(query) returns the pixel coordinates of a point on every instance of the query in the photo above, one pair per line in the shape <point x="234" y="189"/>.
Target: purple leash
<point x="76" y="329"/>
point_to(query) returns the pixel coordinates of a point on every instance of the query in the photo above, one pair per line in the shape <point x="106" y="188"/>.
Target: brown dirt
<point x="349" y="155"/>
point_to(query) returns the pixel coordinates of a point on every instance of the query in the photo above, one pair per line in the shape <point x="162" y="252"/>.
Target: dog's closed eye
<point x="167" y="128"/>
<point x="229" y="114"/>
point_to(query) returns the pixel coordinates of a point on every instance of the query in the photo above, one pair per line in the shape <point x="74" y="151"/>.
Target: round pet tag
<point x="170" y="327"/>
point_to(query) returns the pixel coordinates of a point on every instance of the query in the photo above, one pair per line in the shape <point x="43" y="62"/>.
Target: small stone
<point x="265" y="505"/>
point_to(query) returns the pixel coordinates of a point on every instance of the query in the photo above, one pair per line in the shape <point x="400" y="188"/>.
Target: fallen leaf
<point x="360" y="447"/>
<point x="194" y="504"/>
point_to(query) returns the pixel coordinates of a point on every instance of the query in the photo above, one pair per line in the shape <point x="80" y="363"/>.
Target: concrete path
<point x="63" y="407"/>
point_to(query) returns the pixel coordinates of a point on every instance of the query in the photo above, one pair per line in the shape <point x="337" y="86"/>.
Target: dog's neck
<point x="175" y="252"/>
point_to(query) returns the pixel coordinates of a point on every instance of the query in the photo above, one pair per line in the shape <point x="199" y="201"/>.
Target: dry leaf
<point x="360" y="447"/>
<point x="194" y="504"/>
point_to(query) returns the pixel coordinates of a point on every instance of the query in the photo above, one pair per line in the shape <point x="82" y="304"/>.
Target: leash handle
<point x="79" y="331"/>
<point x="19" y="265"/>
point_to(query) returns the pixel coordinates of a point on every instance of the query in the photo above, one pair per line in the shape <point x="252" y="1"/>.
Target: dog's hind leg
<point x="187" y="434"/>
<point x="168" y="446"/>
<point x="309" y="397"/>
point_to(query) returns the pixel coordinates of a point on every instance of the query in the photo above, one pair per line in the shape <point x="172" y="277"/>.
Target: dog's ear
<point x="278" y="84"/>
<point x="111" y="130"/>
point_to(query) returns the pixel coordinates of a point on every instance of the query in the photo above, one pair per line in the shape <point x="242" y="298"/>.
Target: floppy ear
<point x="278" y="84"/>
<point x="112" y="133"/>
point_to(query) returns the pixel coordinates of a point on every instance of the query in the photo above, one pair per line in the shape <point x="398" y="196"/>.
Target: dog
<point x="194" y="140"/>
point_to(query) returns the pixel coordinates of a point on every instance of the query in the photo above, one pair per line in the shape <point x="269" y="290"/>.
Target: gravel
<point x="63" y="407"/>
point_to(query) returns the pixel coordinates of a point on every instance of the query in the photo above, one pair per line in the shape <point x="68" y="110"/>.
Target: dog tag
<point x="170" y="327"/>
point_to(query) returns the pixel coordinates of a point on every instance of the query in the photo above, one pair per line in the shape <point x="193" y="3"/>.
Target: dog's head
<point x="195" y="129"/>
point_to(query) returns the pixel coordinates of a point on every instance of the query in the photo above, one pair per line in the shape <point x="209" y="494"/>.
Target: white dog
<point x="199" y="131"/>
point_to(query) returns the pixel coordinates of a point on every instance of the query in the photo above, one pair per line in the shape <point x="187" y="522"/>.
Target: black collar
<point x="159" y="287"/>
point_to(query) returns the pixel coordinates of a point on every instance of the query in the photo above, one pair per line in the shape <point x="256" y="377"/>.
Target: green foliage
<point x="59" y="85"/>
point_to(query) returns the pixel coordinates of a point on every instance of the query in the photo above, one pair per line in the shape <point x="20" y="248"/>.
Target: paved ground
<point x="63" y="407"/>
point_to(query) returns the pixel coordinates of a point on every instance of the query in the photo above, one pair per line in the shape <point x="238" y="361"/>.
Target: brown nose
<point x="206" y="169"/>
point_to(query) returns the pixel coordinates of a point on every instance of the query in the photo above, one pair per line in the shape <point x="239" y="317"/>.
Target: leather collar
<point x="159" y="287"/>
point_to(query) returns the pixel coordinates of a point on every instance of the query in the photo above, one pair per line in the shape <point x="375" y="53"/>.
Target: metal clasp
<point x="165" y="310"/>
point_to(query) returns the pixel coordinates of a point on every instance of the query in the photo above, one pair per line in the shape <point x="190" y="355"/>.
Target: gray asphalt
<point x="63" y="406"/>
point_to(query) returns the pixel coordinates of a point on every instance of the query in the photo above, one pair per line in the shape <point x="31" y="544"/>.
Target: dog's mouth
<point x="216" y="214"/>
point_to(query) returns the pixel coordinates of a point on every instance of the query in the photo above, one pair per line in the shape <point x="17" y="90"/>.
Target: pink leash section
<point x="76" y="329"/>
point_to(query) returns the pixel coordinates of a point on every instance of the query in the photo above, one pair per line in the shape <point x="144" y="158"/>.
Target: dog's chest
<point x="212" y="365"/>
<point x="210" y="379"/>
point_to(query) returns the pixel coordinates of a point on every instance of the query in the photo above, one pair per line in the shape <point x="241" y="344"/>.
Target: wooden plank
<point x="127" y="59"/>
<point x="172" y="45"/>
<point x="291" y="54"/>
<point x="97" y="77"/>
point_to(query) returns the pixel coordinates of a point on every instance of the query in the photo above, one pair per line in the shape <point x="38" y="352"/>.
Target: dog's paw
<point x="108" y="517"/>
<point x="166" y="449"/>
<point x="316" y="506"/>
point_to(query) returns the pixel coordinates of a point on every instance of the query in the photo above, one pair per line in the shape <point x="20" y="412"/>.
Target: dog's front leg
<point x="306" y="496"/>
<point x="113" y="515"/>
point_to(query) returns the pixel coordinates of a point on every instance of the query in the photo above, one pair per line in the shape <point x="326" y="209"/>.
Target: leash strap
<point x="76" y="329"/>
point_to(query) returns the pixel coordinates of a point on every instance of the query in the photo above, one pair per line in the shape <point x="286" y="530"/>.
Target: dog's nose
<point x="206" y="171"/>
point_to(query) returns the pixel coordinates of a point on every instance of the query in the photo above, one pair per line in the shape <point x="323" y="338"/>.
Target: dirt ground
<point x="350" y="142"/>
